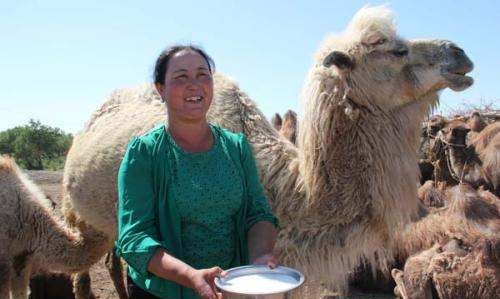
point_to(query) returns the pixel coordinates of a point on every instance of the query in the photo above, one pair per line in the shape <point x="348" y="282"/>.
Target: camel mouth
<point x="458" y="81"/>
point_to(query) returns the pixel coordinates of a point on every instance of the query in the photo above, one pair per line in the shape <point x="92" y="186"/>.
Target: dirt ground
<point x="102" y="287"/>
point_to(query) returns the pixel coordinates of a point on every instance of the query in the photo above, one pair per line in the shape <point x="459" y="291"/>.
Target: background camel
<point x="339" y="194"/>
<point x="487" y="145"/>
<point x="33" y="239"/>
<point x="454" y="270"/>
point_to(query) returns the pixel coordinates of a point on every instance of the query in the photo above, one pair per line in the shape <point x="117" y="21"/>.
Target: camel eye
<point x="400" y="52"/>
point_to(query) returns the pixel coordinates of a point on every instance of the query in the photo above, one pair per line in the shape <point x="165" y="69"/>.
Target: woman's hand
<point x="202" y="281"/>
<point x="268" y="259"/>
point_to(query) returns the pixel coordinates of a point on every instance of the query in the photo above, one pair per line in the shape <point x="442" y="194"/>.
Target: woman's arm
<point x="260" y="221"/>
<point x="168" y="267"/>
<point x="261" y="239"/>
<point x="137" y="232"/>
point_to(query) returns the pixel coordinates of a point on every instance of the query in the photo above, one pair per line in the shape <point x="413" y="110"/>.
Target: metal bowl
<point x="267" y="283"/>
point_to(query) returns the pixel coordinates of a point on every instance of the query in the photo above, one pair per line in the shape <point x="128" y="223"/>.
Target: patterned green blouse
<point x="208" y="192"/>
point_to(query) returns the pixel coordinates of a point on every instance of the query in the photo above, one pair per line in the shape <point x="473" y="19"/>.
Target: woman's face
<point x="188" y="87"/>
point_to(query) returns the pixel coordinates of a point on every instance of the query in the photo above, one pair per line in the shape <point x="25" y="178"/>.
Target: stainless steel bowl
<point x="224" y="284"/>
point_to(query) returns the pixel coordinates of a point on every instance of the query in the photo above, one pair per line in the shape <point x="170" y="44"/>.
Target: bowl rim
<point x="256" y="269"/>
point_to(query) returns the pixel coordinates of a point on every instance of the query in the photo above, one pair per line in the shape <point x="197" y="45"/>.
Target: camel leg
<point x="399" y="289"/>
<point x="20" y="276"/>
<point x="81" y="285"/>
<point x="115" y="269"/>
<point x="5" y="274"/>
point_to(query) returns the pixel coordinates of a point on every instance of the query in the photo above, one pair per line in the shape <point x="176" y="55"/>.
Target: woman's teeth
<point x="194" y="99"/>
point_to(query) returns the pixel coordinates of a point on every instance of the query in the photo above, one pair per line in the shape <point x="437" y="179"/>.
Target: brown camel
<point x="487" y="146"/>
<point x="456" y="270"/>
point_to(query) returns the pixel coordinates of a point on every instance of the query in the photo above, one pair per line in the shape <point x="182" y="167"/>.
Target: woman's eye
<point x="181" y="77"/>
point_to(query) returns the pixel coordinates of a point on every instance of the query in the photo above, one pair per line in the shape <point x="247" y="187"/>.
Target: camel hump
<point x="6" y="163"/>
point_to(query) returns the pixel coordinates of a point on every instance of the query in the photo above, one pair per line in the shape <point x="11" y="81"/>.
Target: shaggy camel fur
<point x="33" y="239"/>
<point x="487" y="145"/>
<point x="469" y="216"/>
<point x="466" y="215"/>
<point x="277" y="121"/>
<point x="339" y="194"/>
<point x="289" y="127"/>
<point x="430" y="196"/>
<point x="455" y="270"/>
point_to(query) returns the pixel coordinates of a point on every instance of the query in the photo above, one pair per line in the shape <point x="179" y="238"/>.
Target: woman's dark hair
<point x="165" y="56"/>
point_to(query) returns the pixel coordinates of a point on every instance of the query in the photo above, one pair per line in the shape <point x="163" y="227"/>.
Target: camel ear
<point x="339" y="59"/>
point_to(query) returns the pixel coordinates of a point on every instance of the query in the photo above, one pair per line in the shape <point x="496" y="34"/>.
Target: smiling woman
<point x="215" y="215"/>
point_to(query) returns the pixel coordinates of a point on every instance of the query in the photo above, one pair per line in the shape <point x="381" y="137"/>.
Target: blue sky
<point x="59" y="59"/>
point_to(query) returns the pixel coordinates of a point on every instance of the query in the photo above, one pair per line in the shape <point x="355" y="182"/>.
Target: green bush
<point x="35" y="146"/>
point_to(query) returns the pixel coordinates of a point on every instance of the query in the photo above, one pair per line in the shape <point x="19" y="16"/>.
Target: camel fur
<point x="33" y="239"/>
<point x="339" y="195"/>
<point x="455" y="270"/>
<point x="487" y="145"/>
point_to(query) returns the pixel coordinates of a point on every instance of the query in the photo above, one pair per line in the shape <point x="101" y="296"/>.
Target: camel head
<point x="434" y="125"/>
<point x="476" y="122"/>
<point x="456" y="132"/>
<point x="379" y="68"/>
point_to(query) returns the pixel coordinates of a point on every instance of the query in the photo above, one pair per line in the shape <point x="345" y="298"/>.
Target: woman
<point x="190" y="202"/>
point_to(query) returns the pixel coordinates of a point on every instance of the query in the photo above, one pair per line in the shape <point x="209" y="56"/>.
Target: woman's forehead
<point x="188" y="60"/>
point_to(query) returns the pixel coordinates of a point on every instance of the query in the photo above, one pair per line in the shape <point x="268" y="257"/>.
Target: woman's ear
<point x="161" y="89"/>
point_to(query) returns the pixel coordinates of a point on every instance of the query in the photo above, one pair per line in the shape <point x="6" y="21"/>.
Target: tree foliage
<point x="36" y="146"/>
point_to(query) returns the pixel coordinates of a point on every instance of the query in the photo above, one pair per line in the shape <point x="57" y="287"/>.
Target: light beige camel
<point x="339" y="195"/>
<point x="33" y="239"/>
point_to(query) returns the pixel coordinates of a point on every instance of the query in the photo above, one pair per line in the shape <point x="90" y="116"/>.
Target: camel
<point x="289" y="126"/>
<point x="455" y="270"/>
<point x="429" y="131"/>
<point x="487" y="145"/>
<point x="457" y="162"/>
<point x="33" y="239"/>
<point x="467" y="214"/>
<point x="339" y="194"/>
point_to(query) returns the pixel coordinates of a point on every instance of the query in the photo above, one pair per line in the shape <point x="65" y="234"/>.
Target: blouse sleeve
<point x="258" y="208"/>
<point x="137" y="233"/>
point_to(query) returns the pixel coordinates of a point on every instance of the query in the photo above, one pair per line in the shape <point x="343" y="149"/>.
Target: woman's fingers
<point x="212" y="273"/>
<point x="267" y="259"/>
<point x="207" y="292"/>
<point x="272" y="262"/>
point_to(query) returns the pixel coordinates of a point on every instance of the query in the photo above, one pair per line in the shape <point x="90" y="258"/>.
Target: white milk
<point x="260" y="283"/>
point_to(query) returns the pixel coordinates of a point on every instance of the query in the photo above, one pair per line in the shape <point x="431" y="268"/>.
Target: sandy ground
<point x="102" y="287"/>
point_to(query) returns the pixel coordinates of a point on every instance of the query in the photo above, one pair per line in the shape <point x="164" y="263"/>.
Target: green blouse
<point x="198" y="206"/>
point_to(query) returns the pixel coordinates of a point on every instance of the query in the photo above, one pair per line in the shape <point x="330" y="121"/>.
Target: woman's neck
<point x="191" y="136"/>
